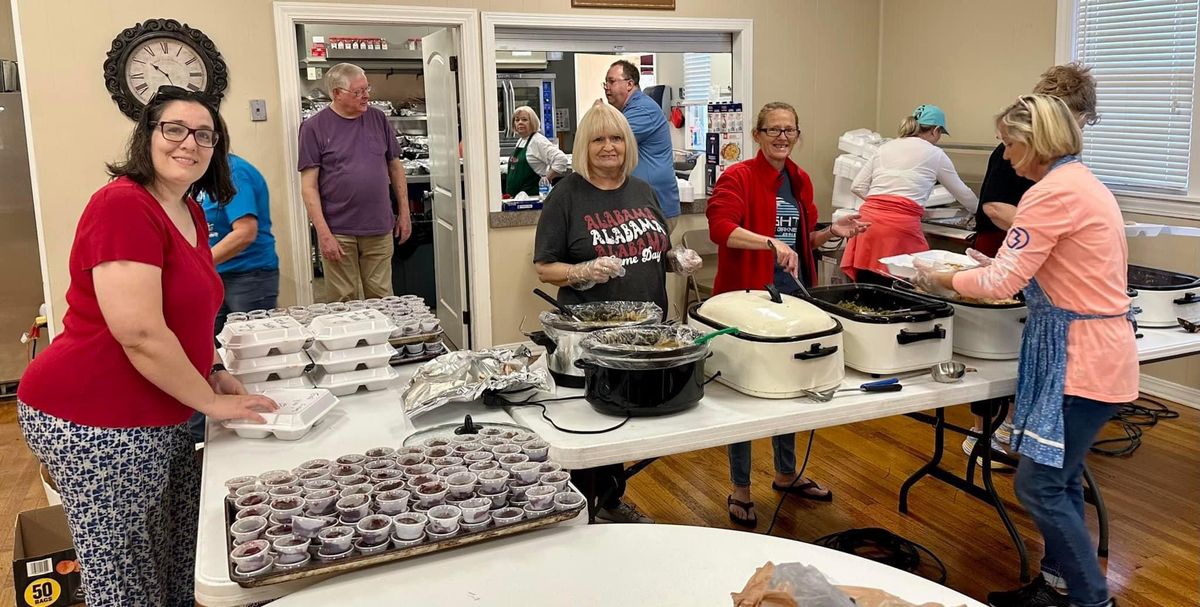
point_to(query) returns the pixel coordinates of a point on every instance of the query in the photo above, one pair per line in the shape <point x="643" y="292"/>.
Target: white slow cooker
<point x="984" y="330"/>
<point x="1164" y="296"/>
<point x="784" y="347"/>
<point x="888" y="331"/>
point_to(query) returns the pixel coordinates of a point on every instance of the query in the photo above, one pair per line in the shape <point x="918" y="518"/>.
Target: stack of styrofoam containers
<point x="351" y="351"/>
<point x="299" y="411"/>
<point x="266" y="353"/>
<point x="860" y="146"/>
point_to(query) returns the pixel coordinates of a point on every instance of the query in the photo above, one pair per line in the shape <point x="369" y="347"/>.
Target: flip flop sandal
<point x="748" y="507"/>
<point x="801" y="491"/>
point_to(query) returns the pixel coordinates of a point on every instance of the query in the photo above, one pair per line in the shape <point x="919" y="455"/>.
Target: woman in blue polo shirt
<point x="242" y="245"/>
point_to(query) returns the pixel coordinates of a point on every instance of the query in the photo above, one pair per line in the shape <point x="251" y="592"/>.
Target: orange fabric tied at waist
<point x="895" y="230"/>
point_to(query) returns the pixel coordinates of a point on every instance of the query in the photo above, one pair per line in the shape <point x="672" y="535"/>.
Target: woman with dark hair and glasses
<point x="762" y="217"/>
<point x="105" y="406"/>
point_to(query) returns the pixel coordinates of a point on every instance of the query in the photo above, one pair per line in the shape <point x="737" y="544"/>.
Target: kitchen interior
<point x="21" y="297"/>
<point x="391" y="57"/>
<point x="560" y="86"/>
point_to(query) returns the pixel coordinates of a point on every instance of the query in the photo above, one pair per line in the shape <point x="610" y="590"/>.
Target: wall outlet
<point x="258" y="110"/>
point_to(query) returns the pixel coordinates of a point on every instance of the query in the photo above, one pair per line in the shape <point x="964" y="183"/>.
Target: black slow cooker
<point x="643" y="371"/>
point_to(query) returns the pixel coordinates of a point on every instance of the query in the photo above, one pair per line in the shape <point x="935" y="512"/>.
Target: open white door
<point x="439" y="51"/>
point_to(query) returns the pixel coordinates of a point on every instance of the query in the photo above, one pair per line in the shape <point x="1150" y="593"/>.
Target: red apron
<point x="895" y="230"/>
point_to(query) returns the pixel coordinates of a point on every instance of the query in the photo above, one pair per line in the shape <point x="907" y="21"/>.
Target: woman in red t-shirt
<point x="105" y="406"/>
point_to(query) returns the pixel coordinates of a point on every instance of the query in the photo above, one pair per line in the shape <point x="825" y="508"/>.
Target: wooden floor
<point x="1153" y="497"/>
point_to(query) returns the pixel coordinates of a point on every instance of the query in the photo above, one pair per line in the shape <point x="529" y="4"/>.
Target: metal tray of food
<point x="396" y="549"/>
<point x="418" y="338"/>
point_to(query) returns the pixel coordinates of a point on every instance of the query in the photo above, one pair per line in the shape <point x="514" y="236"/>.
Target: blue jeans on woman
<point x="784" y="447"/>
<point x="1054" y="499"/>
<point x="244" y="291"/>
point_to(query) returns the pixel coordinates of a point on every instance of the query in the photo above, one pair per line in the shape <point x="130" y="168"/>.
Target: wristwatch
<point x="217" y="368"/>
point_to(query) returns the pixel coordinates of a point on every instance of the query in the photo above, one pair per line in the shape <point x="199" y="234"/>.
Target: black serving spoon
<point x="554" y="302"/>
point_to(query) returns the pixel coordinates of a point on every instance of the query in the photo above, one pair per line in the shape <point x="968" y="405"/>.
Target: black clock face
<point x="161" y="52"/>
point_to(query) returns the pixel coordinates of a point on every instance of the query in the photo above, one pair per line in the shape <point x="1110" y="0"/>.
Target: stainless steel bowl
<point x="948" y="372"/>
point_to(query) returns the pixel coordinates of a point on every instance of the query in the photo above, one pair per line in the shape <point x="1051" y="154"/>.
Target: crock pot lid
<point x="753" y="312"/>
<point x="602" y="315"/>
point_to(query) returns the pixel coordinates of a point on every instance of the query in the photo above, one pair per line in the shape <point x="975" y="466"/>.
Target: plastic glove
<point x="979" y="258"/>
<point x="684" y="261"/>
<point x="585" y="275"/>
<point x="849" y="226"/>
<point x="928" y="277"/>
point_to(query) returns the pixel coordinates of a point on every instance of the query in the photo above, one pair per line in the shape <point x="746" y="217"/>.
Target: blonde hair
<point x="1074" y="84"/>
<point x="1045" y="125"/>
<point x="602" y="119"/>
<point x="771" y="107"/>
<point x="340" y="75"/>
<point x="909" y="127"/>
<point x="531" y="115"/>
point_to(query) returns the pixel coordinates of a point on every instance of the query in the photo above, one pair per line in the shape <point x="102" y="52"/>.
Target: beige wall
<point x="798" y="49"/>
<point x="8" y="43"/>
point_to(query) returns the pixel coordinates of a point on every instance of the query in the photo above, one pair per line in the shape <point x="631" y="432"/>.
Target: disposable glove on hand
<point x="585" y="275"/>
<point x="684" y="261"/>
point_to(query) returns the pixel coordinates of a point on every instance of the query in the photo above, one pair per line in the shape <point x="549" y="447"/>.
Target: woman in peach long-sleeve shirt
<point x="1066" y="252"/>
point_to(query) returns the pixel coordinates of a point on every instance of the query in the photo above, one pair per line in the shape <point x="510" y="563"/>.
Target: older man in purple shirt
<point x="348" y="159"/>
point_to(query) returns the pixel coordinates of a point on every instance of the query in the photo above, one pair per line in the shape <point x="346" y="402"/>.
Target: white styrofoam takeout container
<point x="299" y="411"/>
<point x="295" y="383"/>
<point x="349" y="329"/>
<point x="255" y="370"/>
<point x="901" y="266"/>
<point x="352" y="359"/>
<point x="263" y="337"/>
<point x="342" y="384"/>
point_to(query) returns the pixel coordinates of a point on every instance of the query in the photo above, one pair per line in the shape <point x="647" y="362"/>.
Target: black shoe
<point x="1037" y="594"/>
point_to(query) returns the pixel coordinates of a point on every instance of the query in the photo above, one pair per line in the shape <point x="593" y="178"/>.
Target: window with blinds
<point x="697" y="76"/>
<point x="1143" y="57"/>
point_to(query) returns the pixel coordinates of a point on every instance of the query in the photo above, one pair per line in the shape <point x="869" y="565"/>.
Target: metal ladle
<point x="949" y="372"/>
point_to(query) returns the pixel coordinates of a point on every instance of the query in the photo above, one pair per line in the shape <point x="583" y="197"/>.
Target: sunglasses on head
<point x="169" y="92"/>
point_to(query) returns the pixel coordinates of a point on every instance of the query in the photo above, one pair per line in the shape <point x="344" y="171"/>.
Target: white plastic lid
<point x="245" y="366"/>
<point x="298" y="409"/>
<point x="322" y="356"/>
<point x="349" y="324"/>
<point x="323" y="379"/>
<point x="754" y="313"/>
<point x="294" y="383"/>
<point x="261" y="332"/>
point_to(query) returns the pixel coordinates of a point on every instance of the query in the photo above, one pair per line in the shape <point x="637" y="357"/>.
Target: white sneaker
<point x="969" y="444"/>
<point x="1003" y="434"/>
<point x="623" y="513"/>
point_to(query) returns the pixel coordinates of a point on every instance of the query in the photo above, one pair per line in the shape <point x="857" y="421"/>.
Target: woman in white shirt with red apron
<point x="895" y="184"/>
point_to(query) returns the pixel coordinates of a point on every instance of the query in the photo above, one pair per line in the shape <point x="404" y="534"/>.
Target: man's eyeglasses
<point x="360" y="93"/>
<point x="609" y="82"/>
<point x="789" y="132"/>
<point x="175" y="132"/>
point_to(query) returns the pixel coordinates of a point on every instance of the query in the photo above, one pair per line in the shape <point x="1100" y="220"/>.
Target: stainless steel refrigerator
<point x="21" y="286"/>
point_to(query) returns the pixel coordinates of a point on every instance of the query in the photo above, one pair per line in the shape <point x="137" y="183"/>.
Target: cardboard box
<point x="45" y="568"/>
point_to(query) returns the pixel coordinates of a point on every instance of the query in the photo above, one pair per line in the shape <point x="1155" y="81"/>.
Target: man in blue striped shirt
<point x="656" y="159"/>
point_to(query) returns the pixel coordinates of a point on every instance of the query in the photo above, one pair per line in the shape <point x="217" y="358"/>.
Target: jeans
<point x="784" y="447"/>
<point x="1054" y="499"/>
<point x="244" y="291"/>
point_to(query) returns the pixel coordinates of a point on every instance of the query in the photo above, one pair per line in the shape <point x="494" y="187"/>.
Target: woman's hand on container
<point x="239" y="406"/>
<point x="983" y="260"/>
<point x="223" y="382"/>
<point x="684" y="261"/>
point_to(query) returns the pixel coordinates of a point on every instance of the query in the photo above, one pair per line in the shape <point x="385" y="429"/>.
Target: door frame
<point x="743" y="55"/>
<point x="471" y="123"/>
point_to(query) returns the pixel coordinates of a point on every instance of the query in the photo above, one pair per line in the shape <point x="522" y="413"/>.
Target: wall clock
<point x="161" y="52"/>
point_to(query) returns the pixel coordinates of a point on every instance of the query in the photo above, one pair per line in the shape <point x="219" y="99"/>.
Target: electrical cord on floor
<point x="799" y="475"/>
<point x="1133" y="417"/>
<point x="882" y="546"/>
<point x="496" y="399"/>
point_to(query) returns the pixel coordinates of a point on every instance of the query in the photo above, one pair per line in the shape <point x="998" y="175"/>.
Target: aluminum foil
<point x="466" y="374"/>
<point x="644" y="347"/>
<point x="602" y="315"/>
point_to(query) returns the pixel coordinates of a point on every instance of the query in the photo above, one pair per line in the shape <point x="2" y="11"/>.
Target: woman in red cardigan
<point x="761" y="202"/>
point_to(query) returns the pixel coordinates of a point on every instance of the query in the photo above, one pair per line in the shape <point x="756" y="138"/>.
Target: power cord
<point x="1132" y="418"/>
<point x="799" y="475"/>
<point x="496" y="399"/>
<point x="882" y="546"/>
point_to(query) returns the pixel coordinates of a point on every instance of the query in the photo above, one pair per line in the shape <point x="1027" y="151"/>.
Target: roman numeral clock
<point x="159" y="52"/>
